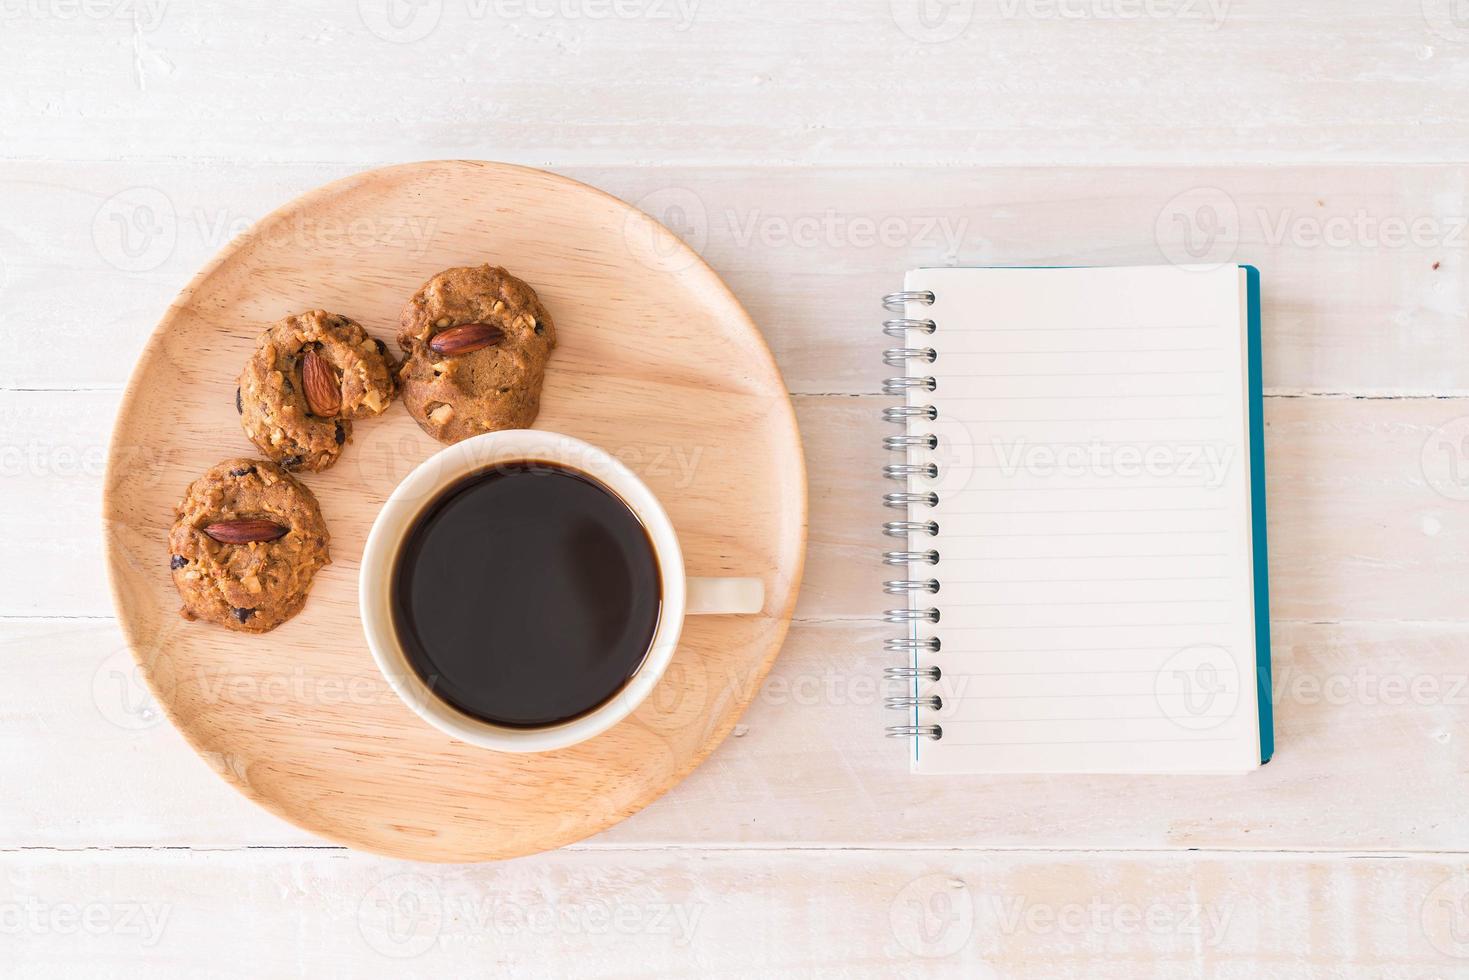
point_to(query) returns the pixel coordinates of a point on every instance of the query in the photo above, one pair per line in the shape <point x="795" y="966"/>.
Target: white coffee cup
<point x="681" y="595"/>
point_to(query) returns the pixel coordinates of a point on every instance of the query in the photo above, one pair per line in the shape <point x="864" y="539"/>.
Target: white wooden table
<point x="811" y="152"/>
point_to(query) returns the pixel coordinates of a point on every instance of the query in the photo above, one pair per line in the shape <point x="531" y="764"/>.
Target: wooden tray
<point x="656" y="362"/>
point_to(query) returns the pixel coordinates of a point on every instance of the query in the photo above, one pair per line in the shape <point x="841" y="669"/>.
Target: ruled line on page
<point x="949" y="677"/>
<point x="996" y="443"/>
<point x="1127" y="648"/>
<point x="1071" y="534"/>
<point x="1084" y="741"/>
<point x="1052" y="718"/>
<point x="1206" y="554"/>
<point x="1134" y="418"/>
<point x="1090" y="626"/>
<point x="1084" y="510"/>
<point x="1054" y="397"/>
<point x="1065" y="581"/>
<point x="1057" y="604"/>
<point x="1172" y="373"/>
<point x="1069" y="697"/>
<point x="1095" y="350"/>
<point x="1082" y="489"/>
<point x="1093" y="327"/>
<point x="974" y="673"/>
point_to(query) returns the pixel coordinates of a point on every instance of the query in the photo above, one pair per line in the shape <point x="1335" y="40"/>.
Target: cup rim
<point x="422" y="485"/>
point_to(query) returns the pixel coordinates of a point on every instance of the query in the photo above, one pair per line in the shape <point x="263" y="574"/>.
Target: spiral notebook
<point x="1080" y="466"/>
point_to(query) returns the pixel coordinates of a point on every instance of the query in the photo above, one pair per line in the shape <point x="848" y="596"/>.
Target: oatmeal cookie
<point x="477" y="340"/>
<point x="312" y="374"/>
<point x="247" y="540"/>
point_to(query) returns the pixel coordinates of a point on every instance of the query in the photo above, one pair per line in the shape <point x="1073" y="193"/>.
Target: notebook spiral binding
<point x="904" y="328"/>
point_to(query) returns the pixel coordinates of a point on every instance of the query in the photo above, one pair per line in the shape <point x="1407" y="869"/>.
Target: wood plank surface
<point x="1367" y="498"/>
<point x="911" y="913"/>
<point x="766" y="82"/>
<point x="807" y="766"/>
<point x="1365" y="268"/>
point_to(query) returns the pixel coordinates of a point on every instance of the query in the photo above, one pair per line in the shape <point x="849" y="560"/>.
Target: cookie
<point x="477" y="340"/>
<point x="247" y="540"/>
<point x="310" y="375"/>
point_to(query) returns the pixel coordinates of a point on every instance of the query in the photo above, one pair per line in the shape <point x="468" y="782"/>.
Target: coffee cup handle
<point x="713" y="596"/>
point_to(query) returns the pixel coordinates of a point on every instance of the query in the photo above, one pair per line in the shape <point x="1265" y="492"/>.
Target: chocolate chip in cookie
<point x="477" y="341"/>
<point x="311" y="374"/>
<point x="246" y="542"/>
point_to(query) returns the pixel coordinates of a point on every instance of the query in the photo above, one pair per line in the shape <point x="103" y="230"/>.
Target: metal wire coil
<point x="900" y="414"/>
<point x="898" y="302"/>
<point x="899" y="443"/>
<point x="933" y="732"/>
<point x="908" y="673"/>
<point x="911" y="443"/>
<point x="929" y="557"/>
<point x="900" y="499"/>
<point x="901" y="529"/>
<point x="904" y="586"/>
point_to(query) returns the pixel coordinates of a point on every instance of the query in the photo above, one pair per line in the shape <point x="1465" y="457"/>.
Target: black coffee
<point x="526" y="595"/>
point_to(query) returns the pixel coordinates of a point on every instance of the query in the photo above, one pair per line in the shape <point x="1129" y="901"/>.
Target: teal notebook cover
<point x="1257" y="519"/>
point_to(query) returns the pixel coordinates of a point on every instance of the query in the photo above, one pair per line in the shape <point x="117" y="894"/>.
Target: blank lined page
<point x="1096" y="591"/>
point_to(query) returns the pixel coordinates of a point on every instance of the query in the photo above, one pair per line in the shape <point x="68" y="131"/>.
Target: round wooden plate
<point x="657" y="362"/>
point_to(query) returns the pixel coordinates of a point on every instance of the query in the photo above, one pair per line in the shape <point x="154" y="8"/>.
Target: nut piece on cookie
<point x="477" y="341"/>
<point x="311" y="374"/>
<point x="247" y="540"/>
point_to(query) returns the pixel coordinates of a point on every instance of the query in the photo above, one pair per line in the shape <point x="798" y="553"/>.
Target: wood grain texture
<point x="656" y="363"/>
<point x="1365" y="518"/>
<point x="914" y="913"/>
<point x="767" y="82"/>
<point x="1365" y="268"/>
<point x="1371" y="719"/>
